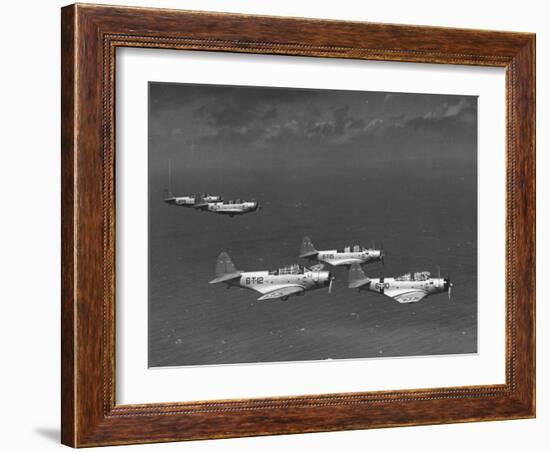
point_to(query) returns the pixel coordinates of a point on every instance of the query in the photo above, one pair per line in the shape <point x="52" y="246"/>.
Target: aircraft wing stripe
<point x="407" y="295"/>
<point x="337" y="262"/>
<point x="282" y="292"/>
<point x="395" y="292"/>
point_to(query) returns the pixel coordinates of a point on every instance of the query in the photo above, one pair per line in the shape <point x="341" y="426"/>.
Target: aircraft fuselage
<point x="231" y="208"/>
<point x="189" y="201"/>
<point x="406" y="291"/>
<point x="336" y="258"/>
<point x="264" y="281"/>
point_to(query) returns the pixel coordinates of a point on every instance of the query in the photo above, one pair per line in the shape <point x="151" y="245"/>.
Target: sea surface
<point x="424" y="216"/>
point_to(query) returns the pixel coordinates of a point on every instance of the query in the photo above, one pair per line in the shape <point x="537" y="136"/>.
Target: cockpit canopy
<point x="294" y="269"/>
<point x="353" y="249"/>
<point x="416" y="276"/>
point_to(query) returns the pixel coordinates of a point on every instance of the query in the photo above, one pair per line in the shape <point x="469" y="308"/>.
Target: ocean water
<point x="425" y="216"/>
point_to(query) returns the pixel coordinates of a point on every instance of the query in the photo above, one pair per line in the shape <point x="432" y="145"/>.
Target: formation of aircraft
<point x="208" y="202"/>
<point x="188" y="200"/>
<point x="281" y="283"/>
<point x="297" y="279"/>
<point x="212" y="203"/>
<point x="346" y="256"/>
<point x="408" y="288"/>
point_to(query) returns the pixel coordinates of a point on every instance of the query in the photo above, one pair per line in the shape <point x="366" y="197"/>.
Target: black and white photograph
<point x="292" y="224"/>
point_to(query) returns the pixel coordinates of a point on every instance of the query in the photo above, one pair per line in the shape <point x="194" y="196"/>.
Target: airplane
<point x="231" y="208"/>
<point x="188" y="200"/>
<point x="348" y="256"/>
<point x="408" y="288"/>
<point x="282" y="283"/>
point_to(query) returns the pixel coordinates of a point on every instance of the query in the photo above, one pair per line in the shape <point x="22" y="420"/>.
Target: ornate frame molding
<point x="90" y="37"/>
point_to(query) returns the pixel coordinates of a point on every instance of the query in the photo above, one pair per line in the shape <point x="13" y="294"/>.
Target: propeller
<point x="258" y="205"/>
<point x="331" y="278"/>
<point x="448" y="285"/>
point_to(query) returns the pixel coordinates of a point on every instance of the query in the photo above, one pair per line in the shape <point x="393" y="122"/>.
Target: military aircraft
<point x="408" y="288"/>
<point x="282" y="283"/>
<point x="188" y="200"/>
<point x="185" y="200"/>
<point x="348" y="256"/>
<point x="231" y="208"/>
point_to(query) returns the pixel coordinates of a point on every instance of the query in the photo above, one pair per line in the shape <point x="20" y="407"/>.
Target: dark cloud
<point x="224" y="114"/>
<point x="278" y="132"/>
<point x="242" y="134"/>
<point x="341" y="117"/>
<point x="247" y="121"/>
<point x="461" y="112"/>
<point x="231" y="106"/>
<point x="270" y="113"/>
<point x="340" y="127"/>
<point x="358" y="123"/>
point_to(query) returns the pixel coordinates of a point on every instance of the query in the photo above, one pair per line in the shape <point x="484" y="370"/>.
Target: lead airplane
<point x="231" y="208"/>
<point x="408" y="288"/>
<point x="282" y="283"/>
<point x="348" y="256"/>
<point x="188" y="200"/>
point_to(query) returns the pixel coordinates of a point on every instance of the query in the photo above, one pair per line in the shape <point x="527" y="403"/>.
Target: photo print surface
<point x="304" y="224"/>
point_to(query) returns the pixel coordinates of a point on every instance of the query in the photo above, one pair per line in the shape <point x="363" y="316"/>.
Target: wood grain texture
<point x="68" y="244"/>
<point x="90" y="36"/>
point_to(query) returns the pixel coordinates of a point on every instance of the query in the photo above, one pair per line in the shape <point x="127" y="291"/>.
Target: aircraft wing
<point x="406" y="295"/>
<point x="240" y="210"/>
<point x="308" y="254"/>
<point x="338" y="262"/>
<point x="282" y="292"/>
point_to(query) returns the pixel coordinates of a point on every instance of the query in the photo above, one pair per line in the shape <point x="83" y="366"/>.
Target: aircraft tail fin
<point x="307" y="249"/>
<point x="357" y="277"/>
<point x="167" y="195"/>
<point x="225" y="270"/>
<point x="200" y="202"/>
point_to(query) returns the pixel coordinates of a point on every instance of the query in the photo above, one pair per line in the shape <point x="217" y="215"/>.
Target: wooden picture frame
<point x="90" y="36"/>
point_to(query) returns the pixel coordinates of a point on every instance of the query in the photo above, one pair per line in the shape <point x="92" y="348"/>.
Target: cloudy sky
<point x="204" y="125"/>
